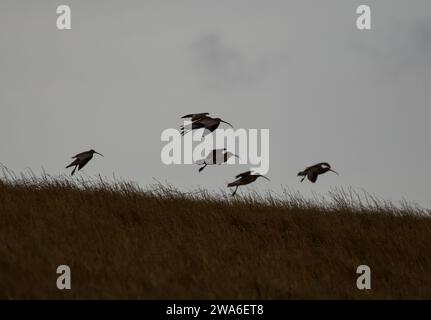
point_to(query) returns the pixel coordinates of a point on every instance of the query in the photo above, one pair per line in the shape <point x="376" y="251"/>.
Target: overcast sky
<point x="130" y="69"/>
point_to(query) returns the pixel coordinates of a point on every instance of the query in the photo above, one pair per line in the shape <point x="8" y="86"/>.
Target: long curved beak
<point x="264" y="177"/>
<point x="334" y="171"/>
<point x="236" y="156"/>
<point x="226" y="123"/>
<point x="99" y="154"/>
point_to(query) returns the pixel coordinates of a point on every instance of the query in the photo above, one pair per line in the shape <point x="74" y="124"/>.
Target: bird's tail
<point x="74" y="170"/>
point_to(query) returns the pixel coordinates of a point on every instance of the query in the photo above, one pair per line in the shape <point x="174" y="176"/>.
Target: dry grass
<point x="124" y="242"/>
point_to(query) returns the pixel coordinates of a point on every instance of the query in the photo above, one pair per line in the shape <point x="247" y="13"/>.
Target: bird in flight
<point x="201" y="120"/>
<point x="81" y="159"/>
<point x="313" y="172"/>
<point x="243" y="179"/>
<point x="216" y="156"/>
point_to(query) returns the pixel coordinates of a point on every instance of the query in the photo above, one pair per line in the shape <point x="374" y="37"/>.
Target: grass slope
<point x="124" y="242"/>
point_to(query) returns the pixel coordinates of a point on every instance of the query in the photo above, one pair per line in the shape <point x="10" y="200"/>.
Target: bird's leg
<point x="235" y="191"/>
<point x="205" y="164"/>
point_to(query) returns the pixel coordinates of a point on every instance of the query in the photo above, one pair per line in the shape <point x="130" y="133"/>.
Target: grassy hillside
<point x="123" y="242"/>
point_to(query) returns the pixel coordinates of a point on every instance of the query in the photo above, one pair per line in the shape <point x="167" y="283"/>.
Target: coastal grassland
<point x="122" y="241"/>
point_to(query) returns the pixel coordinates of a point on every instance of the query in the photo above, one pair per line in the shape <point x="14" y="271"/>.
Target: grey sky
<point x="130" y="69"/>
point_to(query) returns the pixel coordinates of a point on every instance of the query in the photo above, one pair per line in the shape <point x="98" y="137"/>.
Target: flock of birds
<point x="216" y="156"/>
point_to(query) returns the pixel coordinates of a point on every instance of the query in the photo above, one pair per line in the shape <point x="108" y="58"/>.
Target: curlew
<point x="216" y="156"/>
<point x="245" y="178"/>
<point x="313" y="172"/>
<point x="81" y="159"/>
<point x="201" y="120"/>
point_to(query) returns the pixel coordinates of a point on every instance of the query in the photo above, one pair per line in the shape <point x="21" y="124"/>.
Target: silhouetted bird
<point x="201" y="120"/>
<point x="313" y="172"/>
<point x="245" y="178"/>
<point x="216" y="156"/>
<point x="81" y="159"/>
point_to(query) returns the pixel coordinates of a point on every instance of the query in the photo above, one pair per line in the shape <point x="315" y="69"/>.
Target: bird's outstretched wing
<point x="312" y="176"/>
<point x="194" y="126"/>
<point x="234" y="184"/>
<point x="244" y="174"/>
<point x="211" y="128"/>
<point x="196" y="116"/>
<point x="83" y="163"/>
